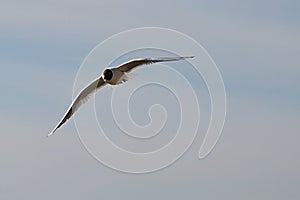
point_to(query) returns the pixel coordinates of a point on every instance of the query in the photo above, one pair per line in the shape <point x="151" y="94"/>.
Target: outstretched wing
<point x="81" y="98"/>
<point x="128" y="66"/>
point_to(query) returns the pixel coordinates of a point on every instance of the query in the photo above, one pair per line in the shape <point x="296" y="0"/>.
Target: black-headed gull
<point x="112" y="76"/>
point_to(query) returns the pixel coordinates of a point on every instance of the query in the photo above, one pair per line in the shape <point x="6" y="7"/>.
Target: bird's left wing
<point x="128" y="66"/>
<point x="81" y="98"/>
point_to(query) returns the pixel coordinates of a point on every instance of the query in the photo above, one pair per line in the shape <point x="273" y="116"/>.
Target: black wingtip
<point x="187" y="56"/>
<point x="51" y="132"/>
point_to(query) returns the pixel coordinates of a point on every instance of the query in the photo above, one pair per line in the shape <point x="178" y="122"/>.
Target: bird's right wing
<point x="128" y="66"/>
<point x="79" y="100"/>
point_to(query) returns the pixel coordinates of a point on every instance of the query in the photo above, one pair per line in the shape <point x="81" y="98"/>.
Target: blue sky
<point x="256" y="47"/>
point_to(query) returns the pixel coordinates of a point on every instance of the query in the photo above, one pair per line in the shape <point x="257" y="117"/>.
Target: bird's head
<point x="107" y="74"/>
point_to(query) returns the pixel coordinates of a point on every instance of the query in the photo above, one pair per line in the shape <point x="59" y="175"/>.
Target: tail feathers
<point x="128" y="76"/>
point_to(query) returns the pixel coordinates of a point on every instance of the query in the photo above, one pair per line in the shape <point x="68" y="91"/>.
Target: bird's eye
<point x="107" y="74"/>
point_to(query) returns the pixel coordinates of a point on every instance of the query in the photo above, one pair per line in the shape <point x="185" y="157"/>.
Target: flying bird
<point x="112" y="76"/>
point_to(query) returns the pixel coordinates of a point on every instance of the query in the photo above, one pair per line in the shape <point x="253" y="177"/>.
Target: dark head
<point x="107" y="74"/>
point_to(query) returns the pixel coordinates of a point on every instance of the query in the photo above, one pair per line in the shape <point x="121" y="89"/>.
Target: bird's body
<point x="112" y="76"/>
<point x="118" y="77"/>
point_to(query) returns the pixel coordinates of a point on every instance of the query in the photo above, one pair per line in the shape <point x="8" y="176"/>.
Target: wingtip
<point x="51" y="133"/>
<point x="189" y="56"/>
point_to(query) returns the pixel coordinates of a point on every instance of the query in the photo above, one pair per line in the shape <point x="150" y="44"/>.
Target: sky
<point x="256" y="47"/>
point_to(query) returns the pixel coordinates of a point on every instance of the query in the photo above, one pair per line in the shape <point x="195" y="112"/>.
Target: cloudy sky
<point x="256" y="47"/>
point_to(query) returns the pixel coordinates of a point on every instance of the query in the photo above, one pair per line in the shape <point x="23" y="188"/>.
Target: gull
<point x="112" y="76"/>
